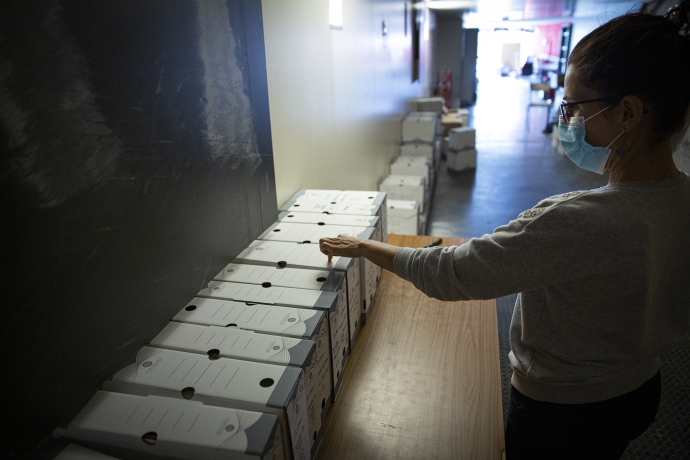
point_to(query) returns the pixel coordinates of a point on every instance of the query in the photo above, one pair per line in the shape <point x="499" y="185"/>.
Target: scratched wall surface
<point x="136" y="162"/>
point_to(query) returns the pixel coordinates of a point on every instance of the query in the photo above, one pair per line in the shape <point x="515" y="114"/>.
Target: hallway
<point x="515" y="168"/>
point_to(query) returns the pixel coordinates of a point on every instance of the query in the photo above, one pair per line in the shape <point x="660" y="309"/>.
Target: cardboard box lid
<point x="326" y="219"/>
<point x="301" y="278"/>
<point x="312" y="233"/>
<point x="166" y="426"/>
<point x="326" y="207"/>
<point x="367" y="197"/>
<point x="191" y="375"/>
<point x="231" y="342"/>
<point x="295" y="322"/>
<point x="403" y="204"/>
<point x="271" y="295"/>
<point x="283" y="254"/>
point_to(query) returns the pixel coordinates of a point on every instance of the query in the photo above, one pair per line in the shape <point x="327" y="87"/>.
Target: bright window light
<point x="426" y="24"/>
<point x="515" y="15"/>
<point x="335" y="13"/>
<point x="451" y="4"/>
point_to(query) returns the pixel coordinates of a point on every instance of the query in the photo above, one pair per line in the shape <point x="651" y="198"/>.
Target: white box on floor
<point x="419" y="127"/>
<point x="296" y="346"/>
<point x="156" y="427"/>
<point x="411" y="188"/>
<point x="465" y="116"/>
<point x="418" y="149"/>
<point x="284" y="255"/>
<point x="332" y="303"/>
<point x="459" y="160"/>
<point x="461" y="138"/>
<point x="412" y="166"/>
<point x="237" y="384"/>
<point x="428" y="104"/>
<point x="403" y="217"/>
<point x="370" y="274"/>
<point x="349" y="197"/>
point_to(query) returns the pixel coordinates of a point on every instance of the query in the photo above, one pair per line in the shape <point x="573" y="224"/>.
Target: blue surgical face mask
<point x="572" y="137"/>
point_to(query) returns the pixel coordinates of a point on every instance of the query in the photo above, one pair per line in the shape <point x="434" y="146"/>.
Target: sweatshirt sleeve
<point x="492" y="266"/>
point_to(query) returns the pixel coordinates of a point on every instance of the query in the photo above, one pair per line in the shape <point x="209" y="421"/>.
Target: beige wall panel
<point x="337" y="96"/>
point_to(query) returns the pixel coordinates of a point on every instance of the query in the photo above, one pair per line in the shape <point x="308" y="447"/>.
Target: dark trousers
<point x="602" y="430"/>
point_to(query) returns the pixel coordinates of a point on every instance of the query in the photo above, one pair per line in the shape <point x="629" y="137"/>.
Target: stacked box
<point x="370" y="274"/>
<point x="413" y="166"/>
<point x="461" y="152"/>
<point x="464" y="115"/>
<point x="332" y="303"/>
<point x="308" y="256"/>
<point x="410" y="188"/>
<point x="154" y="427"/>
<point x="333" y="219"/>
<point x="342" y="197"/>
<point x="419" y="127"/>
<point x="232" y="342"/>
<point x="236" y="384"/>
<point x="403" y="217"/>
<point x="417" y="149"/>
<point x="428" y="104"/>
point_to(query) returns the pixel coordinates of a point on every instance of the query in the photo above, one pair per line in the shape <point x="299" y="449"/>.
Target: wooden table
<point x="423" y="380"/>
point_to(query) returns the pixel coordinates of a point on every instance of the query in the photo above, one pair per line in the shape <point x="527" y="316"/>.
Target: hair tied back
<point x="678" y="16"/>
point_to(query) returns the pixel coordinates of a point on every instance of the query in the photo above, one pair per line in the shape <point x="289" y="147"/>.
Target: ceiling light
<point x="451" y="4"/>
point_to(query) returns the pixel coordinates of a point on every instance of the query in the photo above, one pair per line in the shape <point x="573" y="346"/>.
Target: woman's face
<point x="600" y="130"/>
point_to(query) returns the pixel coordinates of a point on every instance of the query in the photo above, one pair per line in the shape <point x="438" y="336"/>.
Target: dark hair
<point x="643" y="55"/>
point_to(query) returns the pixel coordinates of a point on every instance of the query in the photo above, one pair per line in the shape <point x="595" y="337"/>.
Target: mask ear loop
<point x="589" y="118"/>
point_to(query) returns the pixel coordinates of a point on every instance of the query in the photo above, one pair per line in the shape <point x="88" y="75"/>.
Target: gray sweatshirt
<point x="604" y="283"/>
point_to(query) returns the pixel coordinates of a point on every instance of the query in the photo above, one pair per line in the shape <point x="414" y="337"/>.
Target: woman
<point x="604" y="274"/>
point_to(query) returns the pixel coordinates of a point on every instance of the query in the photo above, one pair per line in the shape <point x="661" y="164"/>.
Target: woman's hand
<point x="381" y="254"/>
<point x="343" y="246"/>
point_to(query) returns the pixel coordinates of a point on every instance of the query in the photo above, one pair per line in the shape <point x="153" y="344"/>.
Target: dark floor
<point x="515" y="170"/>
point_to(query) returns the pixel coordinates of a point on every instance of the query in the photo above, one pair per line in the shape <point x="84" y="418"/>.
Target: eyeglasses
<point x="567" y="108"/>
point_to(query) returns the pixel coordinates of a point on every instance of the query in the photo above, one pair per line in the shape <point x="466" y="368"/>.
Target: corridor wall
<point x="337" y="95"/>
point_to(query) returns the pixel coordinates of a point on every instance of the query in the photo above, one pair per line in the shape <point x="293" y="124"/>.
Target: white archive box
<point x="233" y="383"/>
<point x="290" y="349"/>
<point x="411" y="188"/>
<point x="403" y="216"/>
<point x="465" y="116"/>
<point x="332" y="219"/>
<point x="142" y="427"/>
<point x="461" y="138"/>
<point x="351" y="197"/>
<point x="412" y="166"/>
<point x="281" y="255"/>
<point x="77" y="452"/>
<point x="419" y="127"/>
<point x="314" y="279"/>
<point x="332" y="303"/>
<point x="418" y="149"/>
<point x="428" y="104"/>
<point x="312" y="233"/>
<point x="459" y="160"/>
<point x="370" y="274"/>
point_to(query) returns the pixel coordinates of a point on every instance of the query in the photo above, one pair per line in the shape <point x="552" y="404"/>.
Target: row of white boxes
<point x="412" y="175"/>
<point x="248" y="369"/>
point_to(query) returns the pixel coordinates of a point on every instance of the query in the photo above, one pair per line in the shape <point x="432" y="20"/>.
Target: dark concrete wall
<point x="136" y="162"/>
